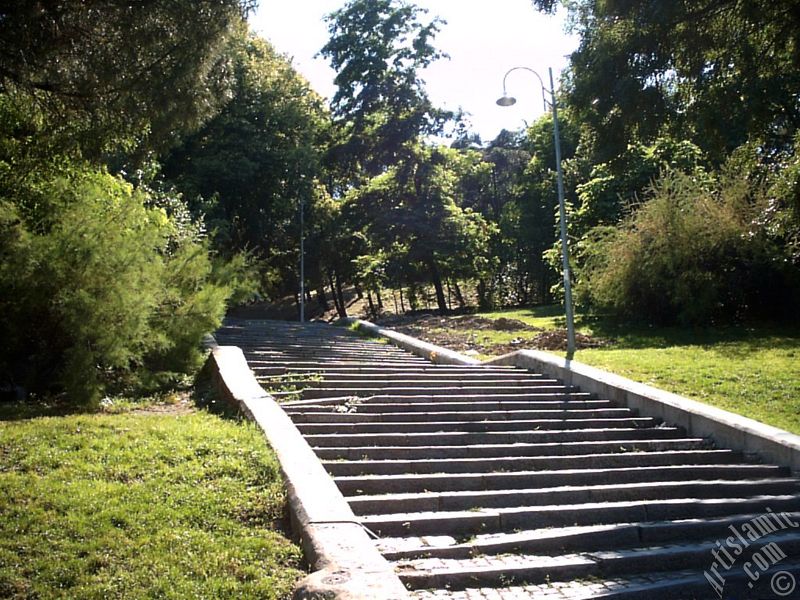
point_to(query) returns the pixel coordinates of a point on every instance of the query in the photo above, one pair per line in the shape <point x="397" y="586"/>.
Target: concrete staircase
<point x="494" y="482"/>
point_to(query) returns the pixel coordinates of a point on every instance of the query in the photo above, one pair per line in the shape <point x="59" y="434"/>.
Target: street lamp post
<point x="507" y="100"/>
<point x="302" y="262"/>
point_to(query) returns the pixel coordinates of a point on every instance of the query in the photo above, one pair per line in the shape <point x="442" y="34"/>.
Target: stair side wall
<point x="345" y="561"/>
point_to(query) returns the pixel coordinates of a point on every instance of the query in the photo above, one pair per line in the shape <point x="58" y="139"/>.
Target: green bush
<point x="110" y="288"/>
<point x="695" y="252"/>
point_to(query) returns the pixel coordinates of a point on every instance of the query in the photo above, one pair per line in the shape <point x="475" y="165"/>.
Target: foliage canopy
<point x="110" y="71"/>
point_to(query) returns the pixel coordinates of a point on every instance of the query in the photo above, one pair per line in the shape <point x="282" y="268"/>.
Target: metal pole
<point x="302" y="264"/>
<point x="563" y="218"/>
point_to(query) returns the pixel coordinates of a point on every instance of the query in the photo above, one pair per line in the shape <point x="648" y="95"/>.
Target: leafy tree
<point x="508" y="155"/>
<point x="111" y="284"/>
<point x="715" y="72"/>
<point x="378" y="48"/>
<point x="107" y="71"/>
<point x="105" y="282"/>
<point x="615" y="188"/>
<point x="252" y="165"/>
<point x="538" y="253"/>
<point x="411" y="212"/>
<point x="548" y="6"/>
<point x="697" y="252"/>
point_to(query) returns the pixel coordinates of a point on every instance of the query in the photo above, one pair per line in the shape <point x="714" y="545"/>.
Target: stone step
<point x="568" y="495"/>
<point x="367" y="355"/>
<point x="529" y="568"/>
<point x="251" y="330"/>
<point x="294" y="358"/>
<point x="407" y="403"/>
<point x="560" y="393"/>
<point x="334" y="350"/>
<point x="377" y="404"/>
<point x="422" y="368"/>
<point x="420" y="392"/>
<point x="433" y="382"/>
<point x="545" y="449"/>
<point x="494" y="520"/>
<point x="538" y="425"/>
<point x="334" y="345"/>
<point x="308" y="341"/>
<point x="441" y="482"/>
<point x="457" y="376"/>
<point x="291" y="339"/>
<point x="402" y="360"/>
<point x="474" y="440"/>
<point x="585" y="538"/>
<point x="320" y="366"/>
<point x="353" y="415"/>
<point x="620" y="459"/>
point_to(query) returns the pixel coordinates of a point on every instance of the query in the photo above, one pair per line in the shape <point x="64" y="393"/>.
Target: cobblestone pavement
<point x="570" y="590"/>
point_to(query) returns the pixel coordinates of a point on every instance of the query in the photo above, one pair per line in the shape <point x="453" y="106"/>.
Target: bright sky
<point x="484" y="40"/>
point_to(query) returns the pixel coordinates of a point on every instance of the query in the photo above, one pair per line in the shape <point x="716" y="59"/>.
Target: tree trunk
<point x="394" y="298"/>
<point x="545" y="289"/>
<point x="371" y="305"/>
<point x="378" y="298"/>
<point x="297" y="302"/>
<point x="342" y="306"/>
<point x="436" y="279"/>
<point x="402" y="304"/>
<point x="333" y="294"/>
<point x="449" y="295"/>
<point x="413" y="298"/>
<point x="483" y="300"/>
<point x="459" y="295"/>
<point x="322" y="300"/>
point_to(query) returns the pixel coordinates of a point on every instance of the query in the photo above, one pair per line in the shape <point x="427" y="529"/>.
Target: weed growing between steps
<point x="288" y="387"/>
<point x="146" y="503"/>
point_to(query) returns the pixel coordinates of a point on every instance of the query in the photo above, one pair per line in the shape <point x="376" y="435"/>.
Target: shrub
<point x="108" y="289"/>
<point x="694" y="253"/>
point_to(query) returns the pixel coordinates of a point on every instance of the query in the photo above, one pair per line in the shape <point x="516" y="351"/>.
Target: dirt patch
<point x="461" y="333"/>
<point x="555" y="339"/>
<point x="482" y="323"/>
<point x="454" y="332"/>
<point x="457" y="322"/>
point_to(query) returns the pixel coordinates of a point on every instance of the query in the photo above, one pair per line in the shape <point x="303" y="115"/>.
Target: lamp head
<point x="506" y="100"/>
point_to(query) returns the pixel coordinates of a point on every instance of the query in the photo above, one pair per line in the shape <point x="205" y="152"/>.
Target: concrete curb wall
<point x="435" y="354"/>
<point x="346" y="563"/>
<point x="727" y="429"/>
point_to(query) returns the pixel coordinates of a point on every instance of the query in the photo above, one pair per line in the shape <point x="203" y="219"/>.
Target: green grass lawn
<point x="750" y="370"/>
<point x="136" y="505"/>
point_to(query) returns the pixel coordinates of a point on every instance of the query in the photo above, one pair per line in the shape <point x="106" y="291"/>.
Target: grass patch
<point x="543" y="317"/>
<point x="752" y="371"/>
<point x="132" y="505"/>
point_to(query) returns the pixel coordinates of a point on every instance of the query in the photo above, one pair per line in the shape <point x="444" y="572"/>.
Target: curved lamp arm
<point x="507" y="100"/>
